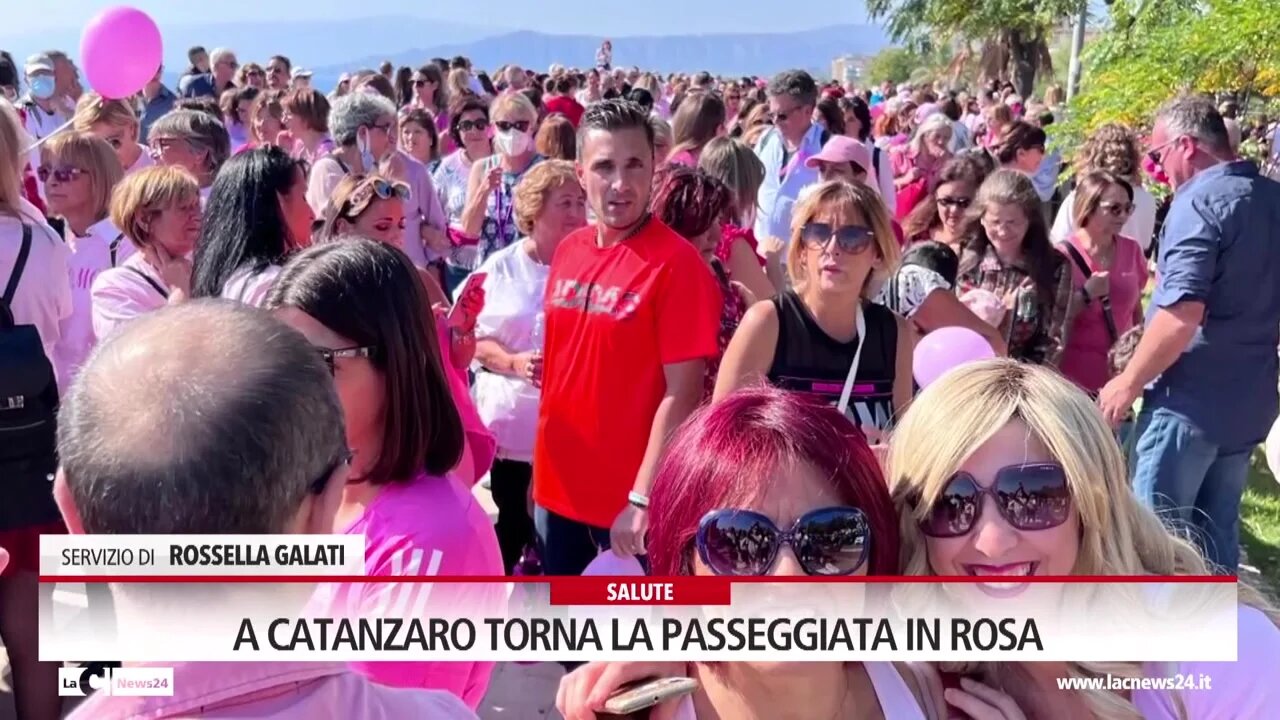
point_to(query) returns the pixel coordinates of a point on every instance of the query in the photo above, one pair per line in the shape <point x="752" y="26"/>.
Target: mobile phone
<point x="455" y="312"/>
<point x="647" y="693"/>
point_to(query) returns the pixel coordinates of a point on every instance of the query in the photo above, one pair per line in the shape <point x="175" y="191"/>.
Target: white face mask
<point x="512" y="142"/>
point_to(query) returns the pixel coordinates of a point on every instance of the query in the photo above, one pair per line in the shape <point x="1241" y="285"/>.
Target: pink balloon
<point x="121" y="51"/>
<point x="947" y="348"/>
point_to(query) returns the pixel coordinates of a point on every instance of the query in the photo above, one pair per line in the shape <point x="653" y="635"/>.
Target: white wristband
<point x="638" y="500"/>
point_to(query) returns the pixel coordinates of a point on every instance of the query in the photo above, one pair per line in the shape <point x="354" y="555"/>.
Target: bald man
<point x="211" y="417"/>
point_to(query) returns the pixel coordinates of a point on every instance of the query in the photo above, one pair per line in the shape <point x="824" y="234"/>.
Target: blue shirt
<point x="195" y="86"/>
<point x="153" y="109"/>
<point x="1221" y="246"/>
<point x="784" y="177"/>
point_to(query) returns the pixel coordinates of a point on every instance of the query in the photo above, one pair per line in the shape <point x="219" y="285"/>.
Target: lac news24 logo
<point x="125" y="682"/>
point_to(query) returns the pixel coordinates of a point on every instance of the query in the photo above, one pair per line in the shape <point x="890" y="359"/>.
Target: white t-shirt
<point x="249" y="287"/>
<point x="1141" y="225"/>
<point x="90" y="255"/>
<point x="43" y="296"/>
<point x="513" y="296"/>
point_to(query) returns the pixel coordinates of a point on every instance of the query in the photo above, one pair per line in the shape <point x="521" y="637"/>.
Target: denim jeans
<point x="566" y="546"/>
<point x="1197" y="483"/>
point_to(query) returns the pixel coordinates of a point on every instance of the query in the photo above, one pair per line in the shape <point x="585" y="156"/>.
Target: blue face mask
<point x="42" y="87"/>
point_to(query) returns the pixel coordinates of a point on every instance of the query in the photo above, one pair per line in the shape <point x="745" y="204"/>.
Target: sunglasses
<point x="1116" y="210"/>
<point x="955" y="202"/>
<point x="506" y="126"/>
<point x="61" y="173"/>
<point x="852" y="239"/>
<point x="1033" y="496"/>
<point x="827" y="541"/>
<point x="1156" y="155"/>
<point x="419" y="82"/>
<point x="318" y="485"/>
<point x="331" y="355"/>
<point x="469" y="125"/>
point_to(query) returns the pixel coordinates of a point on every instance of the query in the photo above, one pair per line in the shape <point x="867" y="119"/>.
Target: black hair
<point x="483" y="78"/>
<point x="797" y="84"/>
<point x="858" y="107"/>
<point x="832" y="115"/>
<point x="371" y="294"/>
<point x="641" y="97"/>
<point x="611" y="116"/>
<point x="934" y="256"/>
<point x="244" y="225"/>
<point x="461" y="106"/>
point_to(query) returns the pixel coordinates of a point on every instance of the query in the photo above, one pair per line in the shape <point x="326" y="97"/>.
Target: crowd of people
<point x="658" y="315"/>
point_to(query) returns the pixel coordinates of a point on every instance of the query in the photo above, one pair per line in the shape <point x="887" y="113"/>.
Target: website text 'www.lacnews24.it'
<point x="1181" y="681"/>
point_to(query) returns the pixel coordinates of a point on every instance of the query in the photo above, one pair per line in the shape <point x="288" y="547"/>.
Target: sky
<point x="602" y="17"/>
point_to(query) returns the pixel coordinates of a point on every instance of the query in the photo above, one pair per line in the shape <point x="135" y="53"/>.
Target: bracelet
<point x="638" y="500"/>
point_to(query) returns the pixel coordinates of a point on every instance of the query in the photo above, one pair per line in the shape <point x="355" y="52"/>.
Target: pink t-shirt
<point x="274" y="691"/>
<point x="249" y="287"/>
<point x="90" y="255"/>
<point x="120" y="294"/>
<point x="1239" y="689"/>
<point x="684" y="157"/>
<point x="1084" y="360"/>
<point x="426" y="526"/>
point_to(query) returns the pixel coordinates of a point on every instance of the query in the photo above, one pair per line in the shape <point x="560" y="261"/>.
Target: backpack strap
<point x="150" y="281"/>
<point x="115" y="248"/>
<point x="11" y="289"/>
<point x="1107" y="317"/>
<point x="1078" y="259"/>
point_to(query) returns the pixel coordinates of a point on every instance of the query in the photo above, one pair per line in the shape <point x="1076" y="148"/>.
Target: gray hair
<point x="205" y="417"/>
<point x="797" y="84"/>
<point x="219" y="54"/>
<point x="201" y="129"/>
<point x="354" y="111"/>
<point x="1195" y="115"/>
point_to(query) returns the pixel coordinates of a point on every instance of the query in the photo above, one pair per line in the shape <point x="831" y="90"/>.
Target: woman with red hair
<point x="766" y="482"/>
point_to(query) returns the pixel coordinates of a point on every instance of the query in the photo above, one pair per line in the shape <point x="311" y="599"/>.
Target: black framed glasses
<point x="318" y="485"/>
<point x="852" y="239"/>
<point x="955" y="202"/>
<point x="826" y="541"/>
<point x="508" y="125"/>
<point x="1116" y="210"/>
<point x="1156" y="154"/>
<point x="469" y="125"/>
<point x="331" y="355"/>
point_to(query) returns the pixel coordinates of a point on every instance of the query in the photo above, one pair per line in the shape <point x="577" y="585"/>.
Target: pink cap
<point x="925" y="110"/>
<point x="845" y="149"/>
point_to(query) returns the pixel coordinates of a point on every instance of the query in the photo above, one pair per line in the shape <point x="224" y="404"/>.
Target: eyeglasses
<point x="159" y="146"/>
<point x="852" y="239"/>
<point x="1033" y="496"/>
<point x="61" y="173"/>
<point x="1116" y="210"/>
<point x="318" y="485"/>
<point x="955" y="202"/>
<point x="827" y="541"/>
<point x="230" y="63"/>
<point x="507" y="125"/>
<point x="1156" y="154"/>
<point x="331" y="355"/>
<point x="469" y="125"/>
<point x="384" y="127"/>
<point x="419" y="82"/>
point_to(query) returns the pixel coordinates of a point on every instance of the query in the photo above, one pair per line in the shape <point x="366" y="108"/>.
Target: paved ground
<point x="516" y="691"/>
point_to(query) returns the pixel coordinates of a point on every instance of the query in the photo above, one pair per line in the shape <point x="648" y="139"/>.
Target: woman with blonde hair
<point x="661" y="139"/>
<point x="158" y="210"/>
<point x="825" y="337"/>
<point x="1113" y="148"/>
<point x="458" y="84"/>
<point x="33" y="259"/>
<point x="990" y="428"/>
<point x="488" y="219"/>
<point x="736" y="165"/>
<point x="115" y="122"/>
<point x="698" y="120"/>
<point x="756" y="124"/>
<point x="549" y="205"/>
<point x="557" y="140"/>
<point x="1008" y="254"/>
<point x="79" y="173"/>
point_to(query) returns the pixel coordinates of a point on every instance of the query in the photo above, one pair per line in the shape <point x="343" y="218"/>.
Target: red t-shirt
<point x="615" y="316"/>
<point x="566" y="106"/>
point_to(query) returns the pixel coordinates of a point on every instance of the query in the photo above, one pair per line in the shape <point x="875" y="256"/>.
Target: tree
<point x="894" y="64"/>
<point x="1155" y="49"/>
<point x="1012" y="35"/>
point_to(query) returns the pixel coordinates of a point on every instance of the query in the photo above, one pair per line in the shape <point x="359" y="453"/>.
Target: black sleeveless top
<point x="809" y="361"/>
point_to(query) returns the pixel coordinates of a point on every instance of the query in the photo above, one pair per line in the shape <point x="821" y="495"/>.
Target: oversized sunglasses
<point x="469" y="125"/>
<point x="507" y="125"/>
<point x="61" y="173"/>
<point x="331" y="355"/>
<point x="1034" y="496"/>
<point x="1116" y="210"/>
<point x="852" y="239"/>
<point x="827" y="541"/>
<point x="955" y="202"/>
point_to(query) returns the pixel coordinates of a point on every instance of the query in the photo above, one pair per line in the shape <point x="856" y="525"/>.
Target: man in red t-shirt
<point x="632" y="315"/>
<point x="561" y="100"/>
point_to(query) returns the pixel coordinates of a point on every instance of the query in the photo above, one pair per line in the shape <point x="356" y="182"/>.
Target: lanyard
<point x="861" y="324"/>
